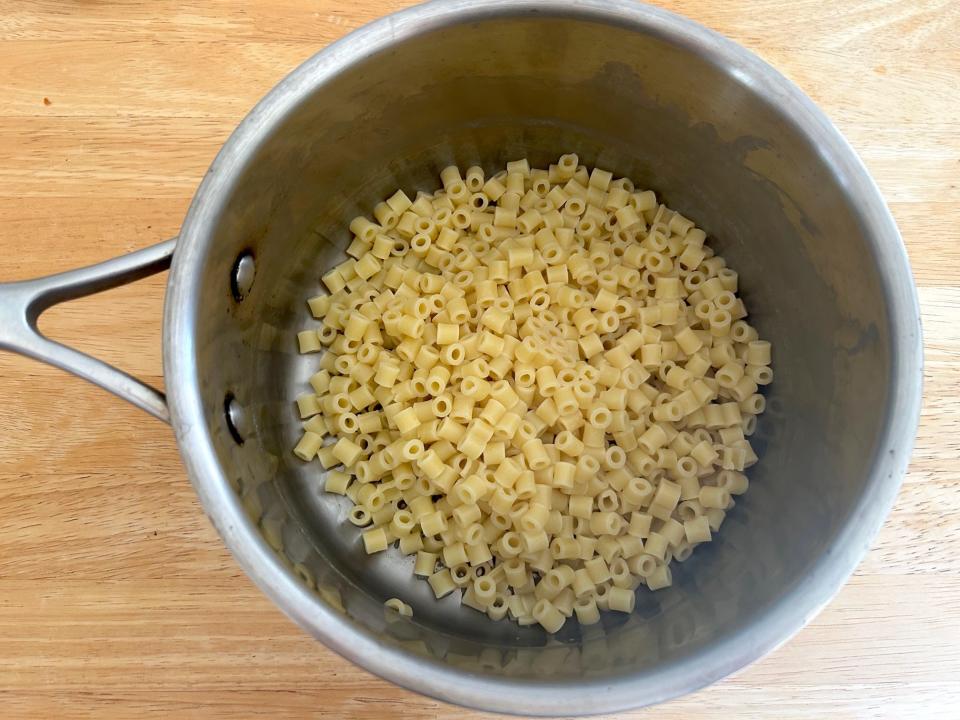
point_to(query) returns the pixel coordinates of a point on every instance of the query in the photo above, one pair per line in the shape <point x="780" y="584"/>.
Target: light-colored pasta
<point x="442" y="583"/>
<point x="399" y="606"/>
<point x="621" y="599"/>
<point x="539" y="382"/>
<point x="375" y="540"/>
<point x="425" y="564"/>
<point x="697" y="529"/>
<point x="308" y="446"/>
<point x="545" y="613"/>
<point x="714" y="497"/>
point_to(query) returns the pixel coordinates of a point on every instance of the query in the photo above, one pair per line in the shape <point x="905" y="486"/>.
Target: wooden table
<point x="116" y="596"/>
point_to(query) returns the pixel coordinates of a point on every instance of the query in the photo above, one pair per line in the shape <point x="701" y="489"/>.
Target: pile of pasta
<point x="541" y="383"/>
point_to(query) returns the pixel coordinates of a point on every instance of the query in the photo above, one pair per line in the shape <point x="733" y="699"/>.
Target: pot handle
<point x="22" y="303"/>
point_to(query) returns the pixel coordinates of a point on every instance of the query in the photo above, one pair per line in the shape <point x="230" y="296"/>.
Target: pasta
<point x="399" y="606"/>
<point x="539" y="384"/>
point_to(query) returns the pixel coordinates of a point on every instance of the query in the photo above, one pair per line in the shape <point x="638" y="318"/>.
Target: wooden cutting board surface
<point x="117" y="598"/>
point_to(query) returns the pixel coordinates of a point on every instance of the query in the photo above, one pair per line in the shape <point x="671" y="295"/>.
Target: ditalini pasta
<point x="541" y="384"/>
<point x="399" y="606"/>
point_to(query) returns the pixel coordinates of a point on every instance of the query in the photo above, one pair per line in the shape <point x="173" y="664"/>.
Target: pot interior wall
<point x="642" y="107"/>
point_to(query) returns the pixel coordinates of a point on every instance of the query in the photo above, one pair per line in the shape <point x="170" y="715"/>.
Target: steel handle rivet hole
<point x="236" y="417"/>
<point x="241" y="277"/>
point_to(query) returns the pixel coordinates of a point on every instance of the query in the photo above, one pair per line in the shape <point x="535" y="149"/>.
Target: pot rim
<point x="783" y="618"/>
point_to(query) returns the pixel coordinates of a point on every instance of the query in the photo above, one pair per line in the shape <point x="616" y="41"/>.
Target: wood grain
<point x="118" y="600"/>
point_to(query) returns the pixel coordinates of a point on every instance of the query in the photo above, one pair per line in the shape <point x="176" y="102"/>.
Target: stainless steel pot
<point x="720" y="135"/>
